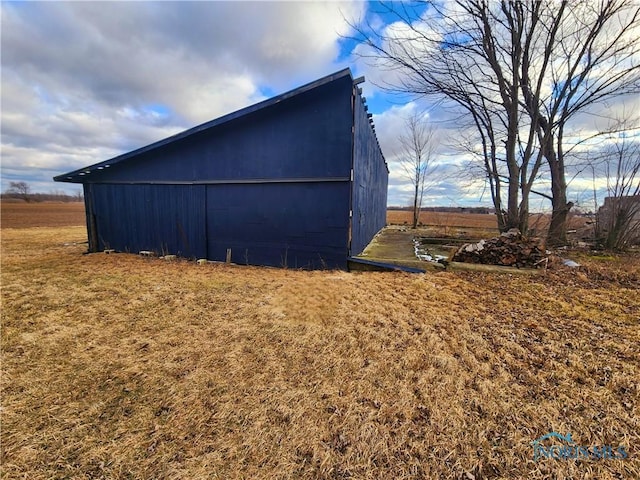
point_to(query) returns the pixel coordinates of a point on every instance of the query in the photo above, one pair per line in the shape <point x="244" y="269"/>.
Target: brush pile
<point x="510" y="249"/>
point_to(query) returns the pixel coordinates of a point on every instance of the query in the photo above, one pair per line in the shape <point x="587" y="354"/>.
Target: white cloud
<point x="83" y="81"/>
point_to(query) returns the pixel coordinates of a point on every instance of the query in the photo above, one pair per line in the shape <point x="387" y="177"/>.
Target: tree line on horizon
<point x="22" y="191"/>
<point x="475" y="210"/>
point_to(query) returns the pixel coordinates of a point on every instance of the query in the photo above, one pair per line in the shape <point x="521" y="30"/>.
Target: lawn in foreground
<point x="120" y="367"/>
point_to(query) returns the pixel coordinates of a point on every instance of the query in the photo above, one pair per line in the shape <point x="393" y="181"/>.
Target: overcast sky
<point x="83" y="82"/>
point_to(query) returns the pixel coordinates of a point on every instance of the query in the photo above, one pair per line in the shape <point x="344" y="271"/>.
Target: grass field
<point x="121" y="367"/>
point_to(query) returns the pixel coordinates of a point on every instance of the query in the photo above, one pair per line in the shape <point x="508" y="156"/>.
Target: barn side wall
<point x="370" y="179"/>
<point x="303" y="225"/>
<point x="273" y="186"/>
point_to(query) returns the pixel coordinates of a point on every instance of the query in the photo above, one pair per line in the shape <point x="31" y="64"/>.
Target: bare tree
<point x="580" y="55"/>
<point x="467" y="57"/>
<point x="20" y="189"/>
<point x="416" y="158"/>
<point x="519" y="72"/>
<point x="618" y="220"/>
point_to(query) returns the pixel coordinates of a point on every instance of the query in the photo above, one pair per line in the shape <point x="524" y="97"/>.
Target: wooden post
<point x="228" y="255"/>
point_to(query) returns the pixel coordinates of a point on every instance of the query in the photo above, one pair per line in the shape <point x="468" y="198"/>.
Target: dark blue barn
<point x="298" y="180"/>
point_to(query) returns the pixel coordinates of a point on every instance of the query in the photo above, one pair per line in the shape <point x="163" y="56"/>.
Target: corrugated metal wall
<point x="370" y="179"/>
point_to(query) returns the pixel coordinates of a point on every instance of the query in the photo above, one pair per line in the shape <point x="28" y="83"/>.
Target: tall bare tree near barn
<point x="416" y="158"/>
<point x="518" y="72"/>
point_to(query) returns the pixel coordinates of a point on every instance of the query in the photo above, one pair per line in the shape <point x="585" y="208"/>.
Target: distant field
<point x="41" y="214"/>
<point x="121" y="367"/>
<point x="485" y="225"/>
<point x="469" y="220"/>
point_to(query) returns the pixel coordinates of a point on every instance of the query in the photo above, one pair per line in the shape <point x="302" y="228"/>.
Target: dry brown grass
<point x="120" y="367"/>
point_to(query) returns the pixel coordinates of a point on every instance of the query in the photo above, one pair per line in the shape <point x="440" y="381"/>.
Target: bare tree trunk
<point x="523" y="222"/>
<point x="557" y="234"/>
<point x="415" y="207"/>
<point x="560" y="207"/>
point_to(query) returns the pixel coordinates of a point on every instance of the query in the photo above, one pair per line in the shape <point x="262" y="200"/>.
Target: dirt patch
<point x="479" y="226"/>
<point x="117" y="366"/>
<point x="41" y="214"/>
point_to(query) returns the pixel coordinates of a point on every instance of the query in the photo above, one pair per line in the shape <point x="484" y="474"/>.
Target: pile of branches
<point x="510" y="249"/>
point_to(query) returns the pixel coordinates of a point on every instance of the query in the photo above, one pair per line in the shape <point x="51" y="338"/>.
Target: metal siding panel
<point x="370" y="179"/>
<point x="295" y="225"/>
<point x="305" y="136"/>
<point x="166" y="219"/>
<point x="77" y="177"/>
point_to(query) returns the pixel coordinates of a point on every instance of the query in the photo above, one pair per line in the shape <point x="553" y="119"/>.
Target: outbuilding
<point x="296" y="181"/>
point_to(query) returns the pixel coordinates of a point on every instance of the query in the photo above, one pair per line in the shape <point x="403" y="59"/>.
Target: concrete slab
<point x="394" y="245"/>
